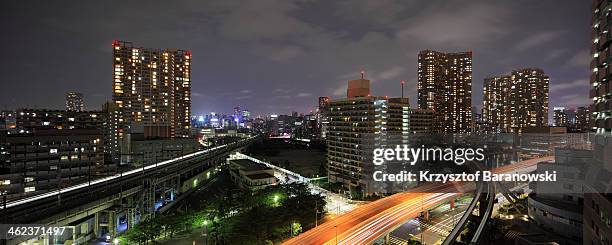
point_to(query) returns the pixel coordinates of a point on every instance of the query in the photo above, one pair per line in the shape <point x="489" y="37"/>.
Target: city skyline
<point x="306" y="57"/>
<point x="306" y="122"/>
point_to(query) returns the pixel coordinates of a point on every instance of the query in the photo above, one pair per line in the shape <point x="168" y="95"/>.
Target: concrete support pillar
<point x="46" y="240"/>
<point x="387" y="238"/>
<point x="73" y="234"/>
<point x="452" y="203"/>
<point x="154" y="194"/>
<point x="482" y="203"/>
<point x="112" y="222"/>
<point x="96" y="228"/>
<point x="164" y="190"/>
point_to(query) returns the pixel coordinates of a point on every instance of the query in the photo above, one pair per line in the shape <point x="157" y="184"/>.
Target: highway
<point x="373" y="220"/>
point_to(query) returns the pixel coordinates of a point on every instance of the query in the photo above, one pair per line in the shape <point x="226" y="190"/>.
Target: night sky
<point x="278" y="56"/>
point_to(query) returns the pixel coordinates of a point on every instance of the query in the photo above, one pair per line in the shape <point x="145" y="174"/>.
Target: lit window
<point x="53" y="151"/>
<point x="29" y="189"/>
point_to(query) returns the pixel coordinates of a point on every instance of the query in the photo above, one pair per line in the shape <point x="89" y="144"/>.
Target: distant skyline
<point x="275" y="57"/>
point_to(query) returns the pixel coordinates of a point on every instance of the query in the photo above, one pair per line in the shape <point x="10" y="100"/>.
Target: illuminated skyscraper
<point x="445" y="86"/>
<point x="601" y="88"/>
<point x="421" y="121"/>
<point x="322" y="117"/>
<point x="496" y="106"/>
<point x="74" y="101"/>
<point x="514" y="102"/>
<point x="110" y="126"/>
<point x="152" y="89"/>
<point x="559" y="117"/>
<point x="529" y="98"/>
<point x="583" y="118"/>
<point x="598" y="206"/>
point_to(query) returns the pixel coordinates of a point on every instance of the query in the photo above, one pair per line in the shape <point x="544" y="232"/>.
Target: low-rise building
<point x="557" y="205"/>
<point x="137" y="151"/>
<point x="49" y="159"/>
<point x="251" y="175"/>
<point x="541" y="141"/>
<point x="597" y="210"/>
<point x="32" y="119"/>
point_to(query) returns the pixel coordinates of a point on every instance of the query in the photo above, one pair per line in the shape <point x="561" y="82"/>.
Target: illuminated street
<point x="373" y="220"/>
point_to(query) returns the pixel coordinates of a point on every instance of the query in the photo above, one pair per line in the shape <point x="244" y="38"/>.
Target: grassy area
<point x="307" y="160"/>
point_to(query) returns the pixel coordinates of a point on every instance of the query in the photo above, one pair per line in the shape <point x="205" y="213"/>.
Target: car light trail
<point x="370" y="221"/>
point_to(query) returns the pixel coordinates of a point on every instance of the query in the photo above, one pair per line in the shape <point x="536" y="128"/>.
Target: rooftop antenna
<point x="402" y="82"/>
<point x="362" y="73"/>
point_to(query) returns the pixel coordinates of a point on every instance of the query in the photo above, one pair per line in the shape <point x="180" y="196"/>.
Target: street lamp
<point x="116" y="241"/>
<point x="205" y="235"/>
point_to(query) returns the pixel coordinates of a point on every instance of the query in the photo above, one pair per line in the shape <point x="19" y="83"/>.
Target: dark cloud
<point x="293" y="51"/>
<point x="537" y="40"/>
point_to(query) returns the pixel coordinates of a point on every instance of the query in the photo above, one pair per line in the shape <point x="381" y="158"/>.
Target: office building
<point x="357" y="125"/>
<point x="74" y="101"/>
<point x="514" y="102"/>
<point x="560" y="118"/>
<point x="445" y="86"/>
<point x="152" y="88"/>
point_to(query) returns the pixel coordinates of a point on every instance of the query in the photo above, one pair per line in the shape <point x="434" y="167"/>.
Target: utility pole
<point x="336" y="229"/>
<point x="316" y="214"/>
<point x="423" y="212"/>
